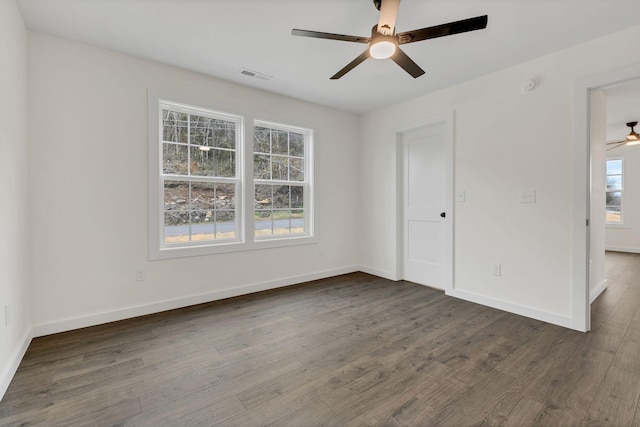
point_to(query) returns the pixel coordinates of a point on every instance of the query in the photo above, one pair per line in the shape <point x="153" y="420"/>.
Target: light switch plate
<point x="496" y="269"/>
<point x="7" y="315"/>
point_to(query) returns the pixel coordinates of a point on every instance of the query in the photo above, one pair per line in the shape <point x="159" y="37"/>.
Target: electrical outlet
<point x="141" y="274"/>
<point x="460" y="196"/>
<point x="528" y="196"/>
<point x="7" y="315"/>
<point x="496" y="269"/>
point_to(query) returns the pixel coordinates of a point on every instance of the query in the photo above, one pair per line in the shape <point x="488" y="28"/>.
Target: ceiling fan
<point x="632" y="139"/>
<point x="385" y="43"/>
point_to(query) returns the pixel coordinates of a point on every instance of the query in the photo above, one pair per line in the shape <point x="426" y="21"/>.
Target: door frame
<point x="581" y="200"/>
<point x="445" y="118"/>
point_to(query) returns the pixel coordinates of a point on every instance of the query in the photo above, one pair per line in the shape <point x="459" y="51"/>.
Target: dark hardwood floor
<point x="348" y="351"/>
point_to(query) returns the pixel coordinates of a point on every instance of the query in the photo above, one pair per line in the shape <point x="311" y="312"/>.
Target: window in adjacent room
<point x="614" y="191"/>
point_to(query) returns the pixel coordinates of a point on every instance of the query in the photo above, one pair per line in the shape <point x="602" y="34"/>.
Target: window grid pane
<point x="201" y="206"/>
<point x="198" y="211"/>
<point x="614" y="191"/>
<point x="280" y="182"/>
<point x="279" y="209"/>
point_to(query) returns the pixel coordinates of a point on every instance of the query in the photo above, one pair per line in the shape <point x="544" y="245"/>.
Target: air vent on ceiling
<point x="250" y="73"/>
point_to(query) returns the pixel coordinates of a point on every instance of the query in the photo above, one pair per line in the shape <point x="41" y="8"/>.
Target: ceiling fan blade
<point x="388" y="15"/>
<point x="351" y="65"/>
<point x="620" y="144"/>
<point x="407" y="64"/>
<point x="330" y="36"/>
<point x="471" y="24"/>
<point x="617" y="142"/>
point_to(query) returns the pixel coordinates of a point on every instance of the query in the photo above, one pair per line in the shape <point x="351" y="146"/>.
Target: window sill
<point x="623" y="226"/>
<point x="232" y="247"/>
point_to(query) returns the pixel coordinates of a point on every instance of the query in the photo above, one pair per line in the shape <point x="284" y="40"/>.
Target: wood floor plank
<point x="413" y="412"/>
<point x="353" y="350"/>
<point x="628" y="356"/>
<point x="214" y="413"/>
<point x="603" y="306"/>
<point x="471" y="405"/>
<point x="474" y="364"/>
<point x="513" y="409"/>
<point x="570" y="382"/>
<point x="440" y="386"/>
<point x="617" y="399"/>
<point x="526" y="359"/>
<point x="314" y="413"/>
<point x="97" y="413"/>
<point x="220" y="383"/>
<point x="636" y="419"/>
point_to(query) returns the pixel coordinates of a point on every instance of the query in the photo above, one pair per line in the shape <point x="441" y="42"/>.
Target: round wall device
<point x="528" y="86"/>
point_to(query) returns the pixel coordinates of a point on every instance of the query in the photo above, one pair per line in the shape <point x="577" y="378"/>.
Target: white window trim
<point x="307" y="183"/>
<point x="244" y="194"/>
<point x="623" y="223"/>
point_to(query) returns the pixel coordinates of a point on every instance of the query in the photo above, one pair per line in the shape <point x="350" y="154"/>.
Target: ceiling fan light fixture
<point x="633" y="140"/>
<point x="382" y="49"/>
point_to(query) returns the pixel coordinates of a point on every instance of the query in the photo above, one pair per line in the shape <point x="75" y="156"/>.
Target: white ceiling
<point x="219" y="37"/>
<point x="623" y="106"/>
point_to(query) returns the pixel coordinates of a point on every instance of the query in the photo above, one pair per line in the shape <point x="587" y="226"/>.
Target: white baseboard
<point x="377" y="272"/>
<point x="10" y="370"/>
<point x="595" y="293"/>
<point x="622" y="249"/>
<point x="129" y="312"/>
<point x="521" y="310"/>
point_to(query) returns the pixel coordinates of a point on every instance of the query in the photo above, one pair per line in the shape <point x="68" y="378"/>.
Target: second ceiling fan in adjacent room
<point x="632" y="139"/>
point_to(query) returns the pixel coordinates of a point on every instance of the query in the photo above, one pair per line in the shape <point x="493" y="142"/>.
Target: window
<point x="198" y="175"/>
<point x="210" y="192"/>
<point x="614" y="191"/>
<point x="281" y="180"/>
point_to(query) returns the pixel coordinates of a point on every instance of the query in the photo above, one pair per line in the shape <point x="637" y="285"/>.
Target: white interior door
<point x="426" y="234"/>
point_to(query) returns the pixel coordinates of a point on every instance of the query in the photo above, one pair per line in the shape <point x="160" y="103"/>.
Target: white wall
<point x="14" y="238"/>
<point x="505" y="141"/>
<point x="88" y="132"/>
<point x="627" y="238"/>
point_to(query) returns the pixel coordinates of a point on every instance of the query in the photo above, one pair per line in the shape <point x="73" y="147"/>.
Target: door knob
<point x="443" y="214"/>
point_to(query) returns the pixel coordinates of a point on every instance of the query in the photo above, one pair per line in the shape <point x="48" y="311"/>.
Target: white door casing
<point x="581" y="254"/>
